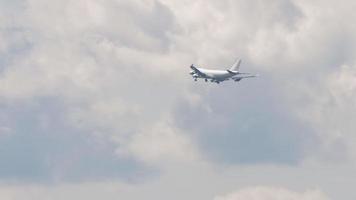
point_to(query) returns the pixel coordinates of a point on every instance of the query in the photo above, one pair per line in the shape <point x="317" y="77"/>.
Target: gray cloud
<point x="272" y="193"/>
<point x="43" y="147"/>
<point x="89" y="67"/>
<point x="99" y="91"/>
<point x="252" y="124"/>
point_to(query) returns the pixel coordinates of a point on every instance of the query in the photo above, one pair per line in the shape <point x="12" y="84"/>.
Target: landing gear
<point x="206" y="80"/>
<point x="195" y="79"/>
<point x="214" y="81"/>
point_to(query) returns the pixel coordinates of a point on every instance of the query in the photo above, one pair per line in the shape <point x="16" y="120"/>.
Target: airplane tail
<point x="236" y="66"/>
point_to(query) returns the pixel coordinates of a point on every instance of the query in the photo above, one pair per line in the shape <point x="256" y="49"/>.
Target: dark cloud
<point x="44" y="147"/>
<point x="99" y="90"/>
<point x="248" y="123"/>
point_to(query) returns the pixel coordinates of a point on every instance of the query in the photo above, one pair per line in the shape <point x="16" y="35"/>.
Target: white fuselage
<point x="216" y="74"/>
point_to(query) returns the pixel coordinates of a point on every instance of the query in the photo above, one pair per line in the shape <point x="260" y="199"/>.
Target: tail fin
<point x="236" y="66"/>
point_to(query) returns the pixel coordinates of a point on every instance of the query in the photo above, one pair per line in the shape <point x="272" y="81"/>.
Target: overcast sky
<point x="96" y="100"/>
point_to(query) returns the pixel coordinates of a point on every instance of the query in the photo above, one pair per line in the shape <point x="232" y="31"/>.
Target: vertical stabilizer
<point x="236" y="66"/>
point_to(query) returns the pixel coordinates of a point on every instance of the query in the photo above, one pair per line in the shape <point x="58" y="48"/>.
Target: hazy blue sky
<point x="96" y="100"/>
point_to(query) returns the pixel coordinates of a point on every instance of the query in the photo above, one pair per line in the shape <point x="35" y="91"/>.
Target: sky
<point x="96" y="100"/>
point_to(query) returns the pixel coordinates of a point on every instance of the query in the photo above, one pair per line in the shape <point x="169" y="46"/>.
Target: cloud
<point x="328" y="109"/>
<point x="269" y="193"/>
<point x="99" y="90"/>
<point x="207" y="183"/>
<point x="161" y="143"/>
<point x="108" y="80"/>
<point x="41" y="146"/>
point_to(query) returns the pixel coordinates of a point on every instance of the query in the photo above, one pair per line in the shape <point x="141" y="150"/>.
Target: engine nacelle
<point x="195" y="75"/>
<point x="192" y="72"/>
<point x="237" y="79"/>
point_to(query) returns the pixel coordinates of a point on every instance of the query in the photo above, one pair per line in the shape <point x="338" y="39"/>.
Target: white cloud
<point x="161" y="143"/>
<point x="270" y="193"/>
<point x="5" y="130"/>
<point x="329" y="105"/>
<point x="106" y="60"/>
<point x="202" y="181"/>
<point x="121" y="69"/>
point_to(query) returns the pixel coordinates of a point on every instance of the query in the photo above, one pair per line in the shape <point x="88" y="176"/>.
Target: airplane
<point x="218" y="76"/>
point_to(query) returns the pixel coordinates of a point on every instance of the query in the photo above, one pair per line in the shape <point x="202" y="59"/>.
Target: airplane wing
<point x="232" y="72"/>
<point x="250" y="76"/>
<point x="197" y="71"/>
<point x="239" y="78"/>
